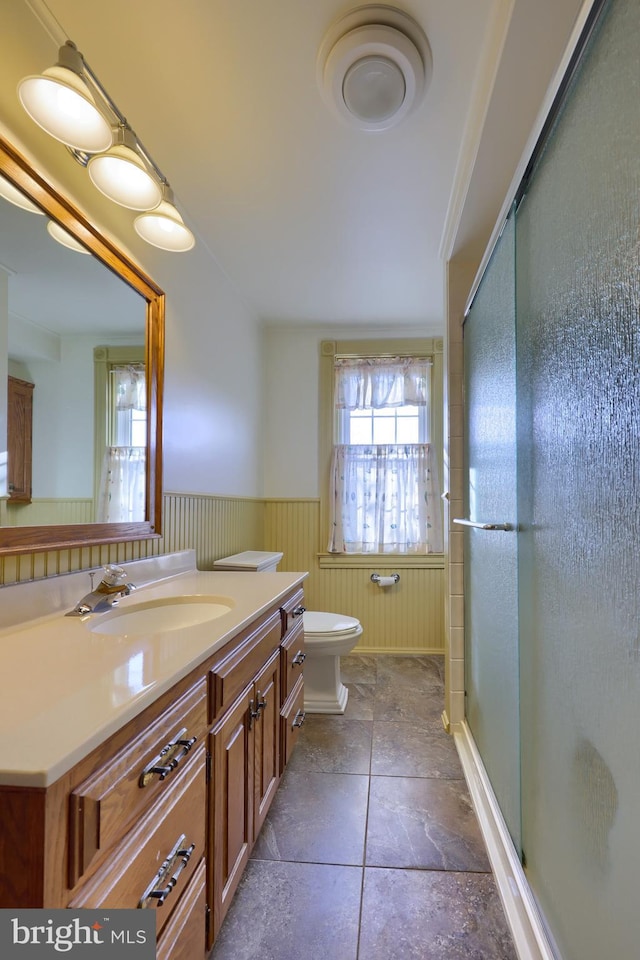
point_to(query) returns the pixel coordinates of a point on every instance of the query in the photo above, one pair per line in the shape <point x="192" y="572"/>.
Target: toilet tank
<point x="259" y="561"/>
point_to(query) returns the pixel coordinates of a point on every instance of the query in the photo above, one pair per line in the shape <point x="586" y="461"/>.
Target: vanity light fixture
<point x="65" y="238"/>
<point x="15" y="196"/>
<point x="70" y="103"/>
<point x="60" y="102"/>
<point x="121" y="174"/>
<point x="164" y="227"/>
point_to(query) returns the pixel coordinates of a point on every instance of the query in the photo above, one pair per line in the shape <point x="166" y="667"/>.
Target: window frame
<point x="330" y="349"/>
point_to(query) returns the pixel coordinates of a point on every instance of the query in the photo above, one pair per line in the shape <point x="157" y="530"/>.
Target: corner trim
<point x="530" y="935"/>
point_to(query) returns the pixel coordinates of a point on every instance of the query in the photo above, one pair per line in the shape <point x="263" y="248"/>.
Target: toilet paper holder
<point x="385" y="581"/>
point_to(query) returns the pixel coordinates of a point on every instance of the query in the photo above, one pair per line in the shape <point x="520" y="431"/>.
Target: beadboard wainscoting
<point x="406" y="618"/>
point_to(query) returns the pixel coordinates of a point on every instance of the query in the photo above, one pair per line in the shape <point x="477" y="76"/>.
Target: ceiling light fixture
<point x="164" y="227"/>
<point x="121" y="174"/>
<point x="60" y="102"/>
<point x="70" y="103"/>
<point x="65" y="238"/>
<point x="17" y="197"/>
<point x="374" y="67"/>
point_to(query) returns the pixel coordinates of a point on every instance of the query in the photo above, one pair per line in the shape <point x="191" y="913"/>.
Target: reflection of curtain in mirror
<point x="122" y="485"/>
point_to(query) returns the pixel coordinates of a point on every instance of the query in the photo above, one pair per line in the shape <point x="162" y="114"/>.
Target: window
<point x="384" y="492"/>
<point x="121" y="434"/>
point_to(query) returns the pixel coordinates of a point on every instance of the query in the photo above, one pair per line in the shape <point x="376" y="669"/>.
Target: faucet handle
<point x="114" y="575"/>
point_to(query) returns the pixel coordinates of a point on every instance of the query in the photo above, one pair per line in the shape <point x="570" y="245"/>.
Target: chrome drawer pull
<point x="165" y="880"/>
<point x="168" y="758"/>
<point x="299" y="659"/>
<point x="298" y="611"/>
<point x="262" y="703"/>
<point x="299" y="719"/>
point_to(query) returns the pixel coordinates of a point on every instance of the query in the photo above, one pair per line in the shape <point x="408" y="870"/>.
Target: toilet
<point x="327" y="637"/>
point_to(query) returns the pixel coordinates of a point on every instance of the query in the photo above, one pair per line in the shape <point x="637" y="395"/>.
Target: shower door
<point x="491" y="580"/>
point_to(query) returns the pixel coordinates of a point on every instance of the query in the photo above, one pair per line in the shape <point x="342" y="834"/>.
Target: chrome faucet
<point x="114" y="584"/>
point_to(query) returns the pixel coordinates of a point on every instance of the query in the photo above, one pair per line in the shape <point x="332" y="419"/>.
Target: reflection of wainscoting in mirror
<point x="56" y="307"/>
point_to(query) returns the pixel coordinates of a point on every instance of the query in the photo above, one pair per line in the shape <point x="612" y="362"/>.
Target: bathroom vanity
<point x="137" y="769"/>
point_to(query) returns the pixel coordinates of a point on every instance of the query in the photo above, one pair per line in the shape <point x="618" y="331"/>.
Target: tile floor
<point x="371" y="849"/>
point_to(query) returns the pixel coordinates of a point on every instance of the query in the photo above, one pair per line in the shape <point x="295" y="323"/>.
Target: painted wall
<point x="213" y="372"/>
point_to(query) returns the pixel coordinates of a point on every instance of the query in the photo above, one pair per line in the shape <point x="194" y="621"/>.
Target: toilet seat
<point x="333" y="625"/>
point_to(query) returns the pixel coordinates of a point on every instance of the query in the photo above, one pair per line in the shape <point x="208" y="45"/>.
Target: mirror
<point x="66" y="321"/>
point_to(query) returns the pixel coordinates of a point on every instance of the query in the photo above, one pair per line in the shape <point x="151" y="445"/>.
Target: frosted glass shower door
<point x="578" y="307"/>
<point x="491" y="563"/>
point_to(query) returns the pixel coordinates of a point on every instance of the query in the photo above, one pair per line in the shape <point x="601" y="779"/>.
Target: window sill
<point x="381" y="561"/>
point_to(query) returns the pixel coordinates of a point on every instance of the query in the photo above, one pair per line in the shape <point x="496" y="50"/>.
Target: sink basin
<point x="161" y="616"/>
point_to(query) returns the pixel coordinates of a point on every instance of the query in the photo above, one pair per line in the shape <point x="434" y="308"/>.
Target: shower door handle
<point x="479" y="525"/>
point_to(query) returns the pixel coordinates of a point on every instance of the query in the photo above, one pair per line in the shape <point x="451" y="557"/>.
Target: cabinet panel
<point x="183" y="937"/>
<point x="267" y="740"/>
<point x="149" y="856"/>
<point x="291" y="611"/>
<point x="107" y="803"/>
<point x="19" y="439"/>
<point x="293" y="657"/>
<point x="292" y="718"/>
<point x="230" y="674"/>
<point x="231" y="804"/>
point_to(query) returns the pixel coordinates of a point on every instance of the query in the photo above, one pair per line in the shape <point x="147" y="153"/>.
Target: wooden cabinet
<point x="168" y="809"/>
<point x="245" y="746"/>
<point x="19" y="440"/>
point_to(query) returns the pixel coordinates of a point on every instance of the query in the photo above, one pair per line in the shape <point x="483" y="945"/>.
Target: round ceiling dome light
<point x="374" y="67"/>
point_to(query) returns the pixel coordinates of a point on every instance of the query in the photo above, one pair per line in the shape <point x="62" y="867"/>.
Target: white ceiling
<point x="312" y="221"/>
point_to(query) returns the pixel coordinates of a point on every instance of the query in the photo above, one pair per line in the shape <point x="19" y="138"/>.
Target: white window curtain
<point x="123" y="485"/>
<point x="363" y="384"/>
<point x="384" y="498"/>
<point x="123" y="480"/>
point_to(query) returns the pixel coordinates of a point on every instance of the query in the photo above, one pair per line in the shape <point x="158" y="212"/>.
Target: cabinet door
<point x="19" y="429"/>
<point x="267" y="739"/>
<point x="231" y="824"/>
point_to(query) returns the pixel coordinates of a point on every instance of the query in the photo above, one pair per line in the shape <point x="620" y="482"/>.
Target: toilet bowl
<point x="327" y="637"/>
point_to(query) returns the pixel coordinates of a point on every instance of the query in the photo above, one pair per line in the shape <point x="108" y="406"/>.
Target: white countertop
<point x="64" y="689"/>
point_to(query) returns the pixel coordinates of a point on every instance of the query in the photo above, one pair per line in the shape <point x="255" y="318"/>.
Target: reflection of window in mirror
<point x="121" y="434"/>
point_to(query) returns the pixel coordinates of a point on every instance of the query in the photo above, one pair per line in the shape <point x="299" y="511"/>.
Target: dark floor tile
<point x="360" y="702"/>
<point x="414" y="750"/>
<point x="420" y="915"/>
<point x="292" y="911"/>
<point x="358" y="669"/>
<point x="333" y="744"/>
<point x="408" y="689"/>
<point x="316" y="818"/>
<point x="423" y="823"/>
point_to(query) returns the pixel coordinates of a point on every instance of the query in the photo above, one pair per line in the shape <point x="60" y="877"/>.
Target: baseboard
<point x="366" y="651"/>
<point x="529" y="932"/>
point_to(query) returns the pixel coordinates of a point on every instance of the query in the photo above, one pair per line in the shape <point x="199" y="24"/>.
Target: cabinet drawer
<point x="230" y="675"/>
<point x="291" y="720"/>
<point x="183" y="937"/>
<point x="293" y="657"/>
<point x="107" y="803"/>
<point x="160" y="854"/>
<point x="290" y="609"/>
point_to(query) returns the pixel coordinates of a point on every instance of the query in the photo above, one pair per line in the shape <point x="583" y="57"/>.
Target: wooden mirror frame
<point x="14" y="540"/>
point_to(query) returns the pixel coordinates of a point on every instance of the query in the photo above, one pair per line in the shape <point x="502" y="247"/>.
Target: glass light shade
<point x="61" y="104"/>
<point x="121" y="175"/>
<point x="15" y="196"/>
<point x="165" y="228"/>
<point x="65" y="238"/>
